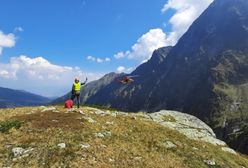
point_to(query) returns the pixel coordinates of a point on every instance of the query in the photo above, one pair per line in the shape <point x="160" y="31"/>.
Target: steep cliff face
<point x="206" y="73"/>
<point x="212" y="51"/>
<point x="134" y="96"/>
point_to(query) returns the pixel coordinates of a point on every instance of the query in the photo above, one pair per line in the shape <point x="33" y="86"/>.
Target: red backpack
<point x="69" y="104"/>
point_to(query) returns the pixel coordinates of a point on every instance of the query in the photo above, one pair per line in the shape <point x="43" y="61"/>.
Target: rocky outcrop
<point x="192" y="127"/>
<point x="186" y="124"/>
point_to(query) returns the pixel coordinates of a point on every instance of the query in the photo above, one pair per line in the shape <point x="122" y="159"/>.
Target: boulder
<point x="169" y="145"/>
<point x="186" y="124"/>
<point x="61" y="145"/>
<point x="226" y="149"/>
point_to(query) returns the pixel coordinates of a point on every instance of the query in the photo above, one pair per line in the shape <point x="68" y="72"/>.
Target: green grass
<point x="5" y="126"/>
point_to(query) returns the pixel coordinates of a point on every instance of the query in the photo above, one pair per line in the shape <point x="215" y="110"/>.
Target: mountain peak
<point x="222" y="26"/>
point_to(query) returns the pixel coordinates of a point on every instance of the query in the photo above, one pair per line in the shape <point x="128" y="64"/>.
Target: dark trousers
<point x="75" y="95"/>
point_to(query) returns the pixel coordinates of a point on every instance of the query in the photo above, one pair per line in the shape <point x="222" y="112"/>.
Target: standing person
<point x="76" y="87"/>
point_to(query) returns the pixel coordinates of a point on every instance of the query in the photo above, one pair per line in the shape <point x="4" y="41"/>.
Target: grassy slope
<point x="134" y="142"/>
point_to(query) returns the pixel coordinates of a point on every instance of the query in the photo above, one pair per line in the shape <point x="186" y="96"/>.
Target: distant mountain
<point x="96" y="92"/>
<point x="17" y="98"/>
<point x="135" y="96"/>
<point x="92" y="88"/>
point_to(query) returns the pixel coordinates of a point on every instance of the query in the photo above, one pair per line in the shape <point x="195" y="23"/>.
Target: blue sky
<point x="52" y="41"/>
<point x="66" y="32"/>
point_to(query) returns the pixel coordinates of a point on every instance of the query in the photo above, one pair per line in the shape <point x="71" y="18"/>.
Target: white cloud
<point x="129" y="70"/>
<point x="4" y="74"/>
<point x="107" y="59"/>
<point x="98" y="60"/>
<point x="122" y="69"/>
<point x="120" y="55"/>
<point x="18" y="29"/>
<point x="40" y="76"/>
<point x="186" y="12"/>
<point x="91" y="58"/>
<point x="6" y="41"/>
<point x="145" y="46"/>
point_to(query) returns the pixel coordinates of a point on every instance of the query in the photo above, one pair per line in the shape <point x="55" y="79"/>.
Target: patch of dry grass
<point x="47" y="120"/>
<point x="133" y="142"/>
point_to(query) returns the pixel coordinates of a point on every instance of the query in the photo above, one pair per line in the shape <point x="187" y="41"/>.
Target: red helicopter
<point x="127" y="79"/>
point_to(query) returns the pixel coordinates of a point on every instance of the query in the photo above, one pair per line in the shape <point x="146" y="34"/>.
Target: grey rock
<point x="72" y="110"/>
<point x="30" y="113"/>
<point x="188" y="125"/>
<point x="62" y="145"/>
<point x="28" y="150"/>
<point x="45" y="109"/>
<point x="101" y="113"/>
<point x="210" y="162"/>
<point x="111" y="160"/>
<point x="169" y="145"/>
<point x="93" y="161"/>
<point x="137" y="158"/>
<point x="194" y="148"/>
<point x="109" y="123"/>
<point x="8" y="146"/>
<point x="113" y="114"/>
<point x="21" y="152"/>
<point x="55" y="111"/>
<point x="85" y="146"/>
<point x="107" y="134"/>
<point x="90" y="120"/>
<point x="81" y="112"/>
<point x="103" y="146"/>
<point x="42" y="107"/>
<point x="99" y="135"/>
<point x="103" y="134"/>
<point x="18" y="151"/>
<point x="226" y="149"/>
